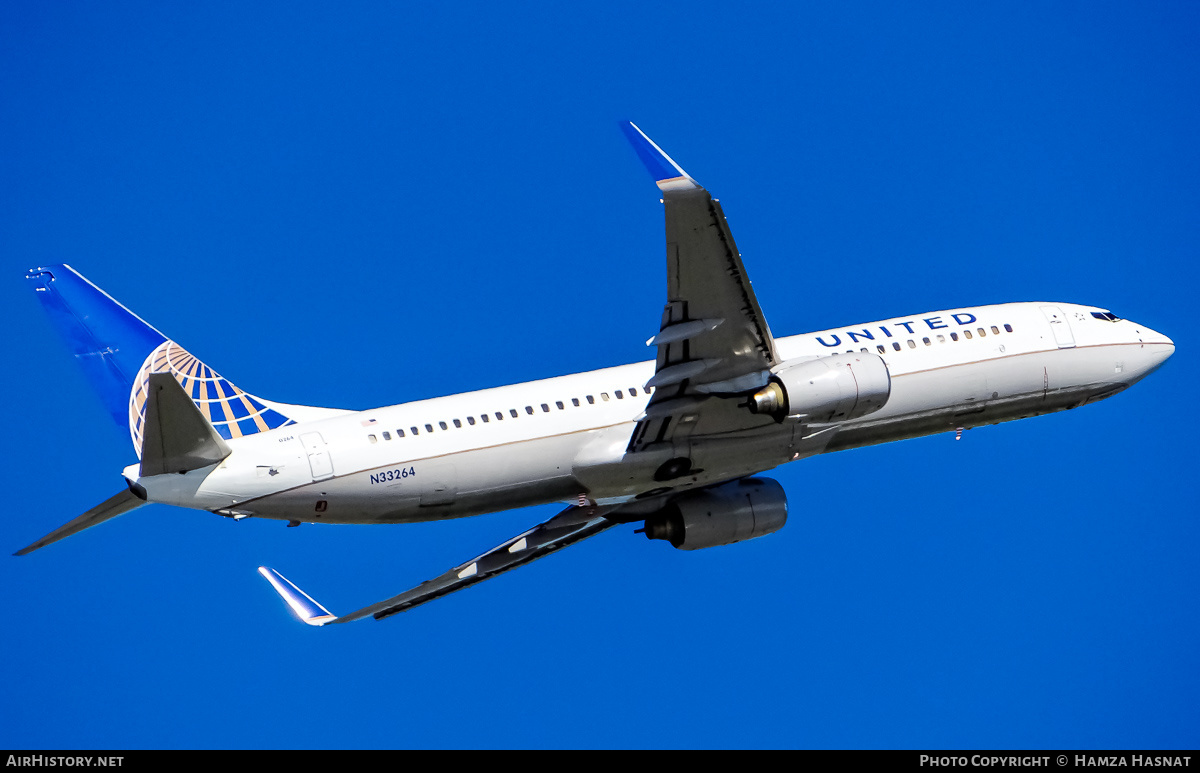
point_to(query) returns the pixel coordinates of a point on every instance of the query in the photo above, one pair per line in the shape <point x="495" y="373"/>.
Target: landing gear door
<point x="1059" y="326"/>
<point x="318" y="455"/>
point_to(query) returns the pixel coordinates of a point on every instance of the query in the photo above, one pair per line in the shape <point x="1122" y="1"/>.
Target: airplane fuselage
<point x="565" y="438"/>
<point x="674" y="443"/>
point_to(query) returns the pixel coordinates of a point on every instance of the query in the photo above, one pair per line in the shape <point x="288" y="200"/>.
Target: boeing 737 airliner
<point x="675" y="443"/>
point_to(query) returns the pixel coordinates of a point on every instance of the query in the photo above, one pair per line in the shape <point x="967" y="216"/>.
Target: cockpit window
<point x="1105" y="315"/>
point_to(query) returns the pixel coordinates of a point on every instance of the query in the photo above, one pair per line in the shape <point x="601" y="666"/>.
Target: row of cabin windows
<point x="941" y="339"/>
<point x="633" y="390"/>
<point x="529" y="409"/>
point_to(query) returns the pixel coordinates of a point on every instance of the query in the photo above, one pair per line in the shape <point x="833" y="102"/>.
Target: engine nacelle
<point x="732" y="512"/>
<point x="836" y="388"/>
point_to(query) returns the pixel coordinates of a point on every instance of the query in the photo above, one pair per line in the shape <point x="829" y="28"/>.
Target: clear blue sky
<point x="366" y="205"/>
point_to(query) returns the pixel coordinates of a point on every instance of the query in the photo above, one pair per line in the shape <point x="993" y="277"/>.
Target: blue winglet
<point x="666" y="173"/>
<point x="305" y="607"/>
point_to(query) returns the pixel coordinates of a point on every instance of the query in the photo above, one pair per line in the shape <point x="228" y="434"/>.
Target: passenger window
<point x="513" y="412"/>
<point x="927" y="341"/>
<point x="954" y="336"/>
<point x="471" y="420"/>
<point x="995" y="330"/>
<point x="967" y="333"/>
<point x="619" y="395"/>
<point x="387" y="436"/>
<point x="458" y="424"/>
<point x="941" y="338"/>
<point x="529" y="409"/>
<point x="372" y="438"/>
<point x="545" y="408"/>
<point x="500" y="416"/>
<point x="442" y="424"/>
<point x="559" y="404"/>
<point x="484" y="416"/>
<point x="912" y="344"/>
<point x="591" y="400"/>
<point x="982" y="332"/>
<point x="604" y="396"/>
<point x="1008" y="328"/>
<point x="414" y="430"/>
<point x="575" y="401"/>
<point x="880" y="348"/>
<point x="632" y="392"/>
<point x="896" y="345"/>
<point x="399" y="433"/>
<point x="429" y="428"/>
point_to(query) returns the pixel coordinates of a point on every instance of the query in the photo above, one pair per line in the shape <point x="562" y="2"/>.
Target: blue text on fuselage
<point x="934" y="323"/>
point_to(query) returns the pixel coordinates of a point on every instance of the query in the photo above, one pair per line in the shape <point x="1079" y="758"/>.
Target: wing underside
<point x="568" y="527"/>
<point x="714" y="344"/>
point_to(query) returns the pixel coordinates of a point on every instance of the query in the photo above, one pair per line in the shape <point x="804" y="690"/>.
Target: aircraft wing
<point x="566" y="528"/>
<point x="713" y="339"/>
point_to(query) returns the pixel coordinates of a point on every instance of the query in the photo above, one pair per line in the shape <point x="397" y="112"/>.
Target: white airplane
<point x="672" y="443"/>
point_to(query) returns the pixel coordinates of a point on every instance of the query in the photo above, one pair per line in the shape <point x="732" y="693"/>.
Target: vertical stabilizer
<point x="109" y="341"/>
<point x="119" y="351"/>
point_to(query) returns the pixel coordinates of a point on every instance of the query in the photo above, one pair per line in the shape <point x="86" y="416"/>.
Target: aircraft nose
<point x="1164" y="349"/>
<point x="1160" y="344"/>
<point x="1157" y="349"/>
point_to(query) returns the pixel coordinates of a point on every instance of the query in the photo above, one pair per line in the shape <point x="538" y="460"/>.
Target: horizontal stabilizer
<point x="177" y="437"/>
<point x="119" y="505"/>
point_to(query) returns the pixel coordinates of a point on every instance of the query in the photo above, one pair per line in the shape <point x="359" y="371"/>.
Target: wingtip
<point x="667" y="174"/>
<point x="302" y="605"/>
<point x="30" y="548"/>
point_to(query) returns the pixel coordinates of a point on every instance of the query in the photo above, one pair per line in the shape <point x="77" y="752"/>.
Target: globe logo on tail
<point x="232" y="412"/>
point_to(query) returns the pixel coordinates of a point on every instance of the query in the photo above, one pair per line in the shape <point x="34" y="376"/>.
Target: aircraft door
<point x="318" y="455"/>
<point x="1059" y="326"/>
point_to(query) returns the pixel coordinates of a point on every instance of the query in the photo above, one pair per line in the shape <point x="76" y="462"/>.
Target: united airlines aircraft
<point x="675" y="444"/>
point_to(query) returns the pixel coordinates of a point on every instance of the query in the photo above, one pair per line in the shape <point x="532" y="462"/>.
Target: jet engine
<point x="732" y="512"/>
<point x="827" y="389"/>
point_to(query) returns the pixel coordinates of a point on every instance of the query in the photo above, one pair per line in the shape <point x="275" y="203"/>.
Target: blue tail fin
<point x="118" y="351"/>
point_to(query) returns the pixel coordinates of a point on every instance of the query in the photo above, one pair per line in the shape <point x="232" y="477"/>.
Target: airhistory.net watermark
<point x="61" y="761"/>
